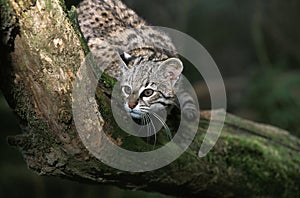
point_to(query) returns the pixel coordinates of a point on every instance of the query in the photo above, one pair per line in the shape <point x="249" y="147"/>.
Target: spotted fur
<point x="141" y="57"/>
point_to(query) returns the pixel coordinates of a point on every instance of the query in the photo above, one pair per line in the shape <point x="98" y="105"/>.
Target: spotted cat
<point x="142" y="58"/>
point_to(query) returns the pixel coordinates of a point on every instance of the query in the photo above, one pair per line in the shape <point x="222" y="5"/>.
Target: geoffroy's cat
<point x="142" y="58"/>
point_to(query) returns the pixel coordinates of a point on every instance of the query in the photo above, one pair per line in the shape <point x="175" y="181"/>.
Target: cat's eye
<point x="147" y="92"/>
<point x="126" y="89"/>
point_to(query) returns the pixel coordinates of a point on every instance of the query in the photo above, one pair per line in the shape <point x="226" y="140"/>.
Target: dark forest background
<point x="256" y="45"/>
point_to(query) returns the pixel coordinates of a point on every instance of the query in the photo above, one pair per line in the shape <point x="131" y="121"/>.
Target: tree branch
<point x="43" y="53"/>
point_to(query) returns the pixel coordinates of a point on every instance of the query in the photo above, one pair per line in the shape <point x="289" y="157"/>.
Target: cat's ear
<point x="123" y="61"/>
<point x="123" y="66"/>
<point x="125" y="58"/>
<point x="171" y="69"/>
<point x="122" y="69"/>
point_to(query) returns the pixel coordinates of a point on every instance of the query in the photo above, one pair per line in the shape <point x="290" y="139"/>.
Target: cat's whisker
<point x="144" y="111"/>
<point x="147" y="125"/>
<point x="143" y="123"/>
<point x="144" y="108"/>
<point x="148" y="133"/>
<point x="149" y="129"/>
<point x="163" y="123"/>
<point x="154" y="129"/>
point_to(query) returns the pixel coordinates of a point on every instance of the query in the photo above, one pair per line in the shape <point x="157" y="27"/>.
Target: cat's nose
<point x="131" y="105"/>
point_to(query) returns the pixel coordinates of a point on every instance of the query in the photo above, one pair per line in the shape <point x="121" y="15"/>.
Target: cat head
<point x="149" y="86"/>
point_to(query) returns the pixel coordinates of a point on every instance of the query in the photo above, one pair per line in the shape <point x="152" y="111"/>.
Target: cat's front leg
<point x="188" y="105"/>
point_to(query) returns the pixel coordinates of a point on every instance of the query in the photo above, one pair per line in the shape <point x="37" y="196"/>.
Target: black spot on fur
<point x="131" y="36"/>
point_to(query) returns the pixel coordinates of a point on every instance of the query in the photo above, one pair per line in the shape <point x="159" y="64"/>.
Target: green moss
<point x="72" y="15"/>
<point x="266" y="166"/>
<point x="6" y="15"/>
<point x="5" y="9"/>
<point x="37" y="129"/>
<point x="108" y="81"/>
<point x="253" y="155"/>
<point x="48" y="5"/>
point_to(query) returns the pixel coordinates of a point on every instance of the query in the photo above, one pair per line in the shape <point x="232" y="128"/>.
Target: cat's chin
<point x="135" y="115"/>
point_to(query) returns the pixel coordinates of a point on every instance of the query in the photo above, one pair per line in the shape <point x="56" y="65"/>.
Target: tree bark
<point x="42" y="53"/>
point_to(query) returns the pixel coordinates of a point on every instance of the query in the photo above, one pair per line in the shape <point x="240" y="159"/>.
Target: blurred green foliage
<point x="273" y="92"/>
<point x="275" y="96"/>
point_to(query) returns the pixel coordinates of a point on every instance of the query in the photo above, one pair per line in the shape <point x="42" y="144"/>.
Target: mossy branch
<point x="249" y="159"/>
